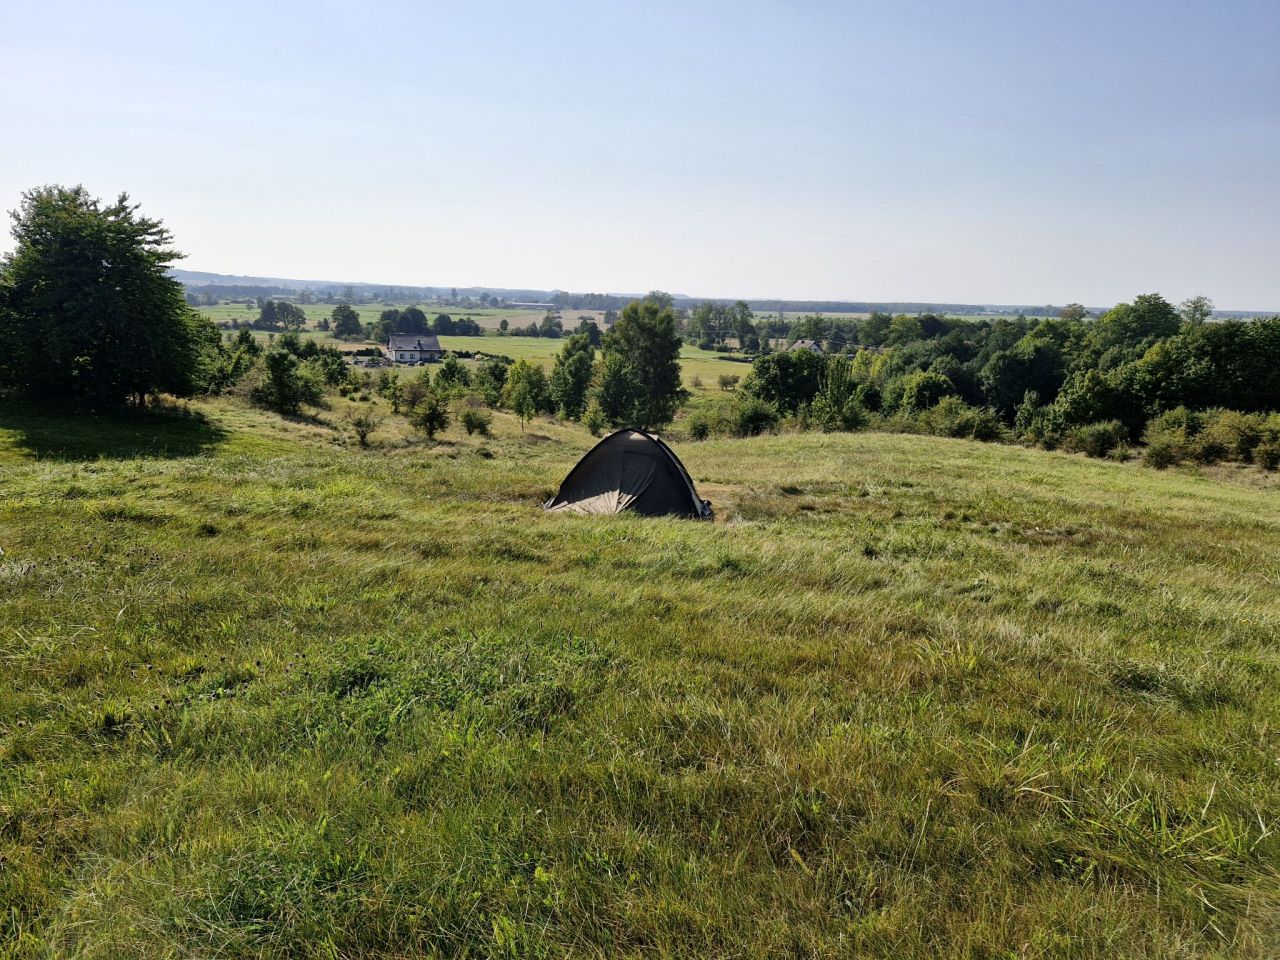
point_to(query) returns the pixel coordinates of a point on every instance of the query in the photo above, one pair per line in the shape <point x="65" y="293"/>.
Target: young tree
<point x="431" y="414"/>
<point x="363" y="424"/>
<point x="287" y="384"/>
<point x="646" y="340"/>
<point x="489" y="379"/>
<point x="571" y="376"/>
<point x="87" y="309"/>
<point x="526" y="390"/>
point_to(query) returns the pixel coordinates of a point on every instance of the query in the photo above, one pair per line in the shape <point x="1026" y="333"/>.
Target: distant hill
<point x="248" y="286"/>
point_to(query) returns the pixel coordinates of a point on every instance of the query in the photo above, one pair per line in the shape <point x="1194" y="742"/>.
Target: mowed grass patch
<point x="906" y="696"/>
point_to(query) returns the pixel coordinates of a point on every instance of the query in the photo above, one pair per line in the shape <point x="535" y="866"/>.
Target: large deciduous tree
<point x="88" y="311"/>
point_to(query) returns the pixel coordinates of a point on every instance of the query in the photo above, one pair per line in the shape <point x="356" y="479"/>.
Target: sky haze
<point x="985" y="152"/>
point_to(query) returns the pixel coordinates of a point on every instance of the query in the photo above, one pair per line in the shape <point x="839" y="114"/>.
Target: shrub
<point x="287" y="384"/>
<point x="869" y="397"/>
<point x="1267" y="454"/>
<point x="1236" y="434"/>
<point x="1162" y="452"/>
<point x="1173" y="433"/>
<point x="476" y="420"/>
<point x="363" y="424"/>
<point x="1095" y="439"/>
<point x="1207" y="448"/>
<point x="699" y="426"/>
<point x="593" y="418"/>
<point x="952" y="417"/>
<point x="922" y="390"/>
<point x="728" y="382"/>
<point x="431" y="414"/>
<point x="750" y="416"/>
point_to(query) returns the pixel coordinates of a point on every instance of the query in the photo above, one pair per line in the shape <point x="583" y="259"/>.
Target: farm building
<point x="413" y="347"/>
<point x="813" y="346"/>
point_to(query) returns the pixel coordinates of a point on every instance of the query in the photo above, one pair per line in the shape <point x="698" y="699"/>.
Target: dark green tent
<point x="630" y="470"/>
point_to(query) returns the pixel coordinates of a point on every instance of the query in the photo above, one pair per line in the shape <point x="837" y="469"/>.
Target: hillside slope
<point x="265" y="694"/>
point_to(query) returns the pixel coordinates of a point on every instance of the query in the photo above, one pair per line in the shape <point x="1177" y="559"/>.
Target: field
<point x="265" y="693"/>
<point x="700" y="369"/>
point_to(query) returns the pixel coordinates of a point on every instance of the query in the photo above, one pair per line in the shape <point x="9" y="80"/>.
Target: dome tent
<point x="630" y="470"/>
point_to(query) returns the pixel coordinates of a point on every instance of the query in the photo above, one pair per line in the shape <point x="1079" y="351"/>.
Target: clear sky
<point x="989" y="152"/>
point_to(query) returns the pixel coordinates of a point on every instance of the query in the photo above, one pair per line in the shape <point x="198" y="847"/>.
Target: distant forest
<point x="210" y="287"/>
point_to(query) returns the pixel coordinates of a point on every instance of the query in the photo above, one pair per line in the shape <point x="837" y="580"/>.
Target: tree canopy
<point x="645" y="340"/>
<point x="88" y="311"/>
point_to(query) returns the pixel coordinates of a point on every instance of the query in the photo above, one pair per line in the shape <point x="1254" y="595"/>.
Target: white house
<point x="413" y="347"/>
<point x="813" y="346"/>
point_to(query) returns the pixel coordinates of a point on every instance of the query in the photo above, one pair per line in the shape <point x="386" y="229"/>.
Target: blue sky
<point x="1027" y="152"/>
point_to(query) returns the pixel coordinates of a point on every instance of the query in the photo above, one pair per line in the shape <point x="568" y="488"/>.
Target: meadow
<point x="265" y="693"/>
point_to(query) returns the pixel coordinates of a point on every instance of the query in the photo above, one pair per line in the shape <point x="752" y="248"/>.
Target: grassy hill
<point x="264" y="693"/>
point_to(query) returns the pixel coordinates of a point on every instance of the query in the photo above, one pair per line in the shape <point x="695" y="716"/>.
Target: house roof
<point x="413" y="341"/>
<point x="807" y="345"/>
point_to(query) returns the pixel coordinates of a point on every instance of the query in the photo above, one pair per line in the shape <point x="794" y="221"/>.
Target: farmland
<point x="265" y="693"/>
<point x="700" y="369"/>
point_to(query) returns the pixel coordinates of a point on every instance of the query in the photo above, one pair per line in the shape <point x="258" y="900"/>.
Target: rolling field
<point x="264" y="693"/>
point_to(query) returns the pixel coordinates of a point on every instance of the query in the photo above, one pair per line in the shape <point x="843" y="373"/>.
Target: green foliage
<point x="489" y="379"/>
<point x="526" y="392"/>
<point x="646" y="340"/>
<point x="88" y="312"/>
<point x="1035" y="365"/>
<point x="593" y="418"/>
<point x="430" y="415"/>
<point x="786" y="379"/>
<point x="1095" y="439"/>
<point x="1162" y="452"/>
<point x="951" y="417"/>
<point x="836" y="406"/>
<point x="476" y="420"/>
<point x="923" y="389"/>
<point x="698" y="425"/>
<point x="751" y="416"/>
<point x="571" y="376"/>
<point x="346" y="322"/>
<point x="616" y="390"/>
<point x="1267" y="454"/>
<point x="452" y="375"/>
<point x="287" y="384"/>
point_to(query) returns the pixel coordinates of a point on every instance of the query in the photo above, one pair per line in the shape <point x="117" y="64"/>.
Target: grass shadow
<point x="63" y="433"/>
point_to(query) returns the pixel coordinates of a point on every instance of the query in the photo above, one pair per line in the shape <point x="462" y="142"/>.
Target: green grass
<point x="699" y="369"/>
<point x="263" y="693"/>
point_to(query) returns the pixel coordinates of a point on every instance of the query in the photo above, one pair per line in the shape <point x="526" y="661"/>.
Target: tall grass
<point x="270" y="694"/>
